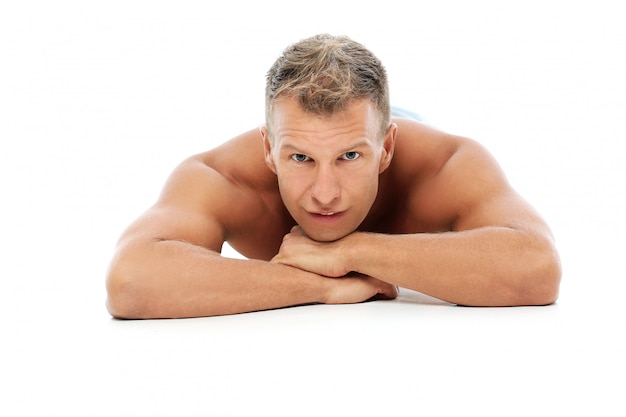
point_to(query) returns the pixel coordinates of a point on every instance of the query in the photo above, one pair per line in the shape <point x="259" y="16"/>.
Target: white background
<point x="100" y="100"/>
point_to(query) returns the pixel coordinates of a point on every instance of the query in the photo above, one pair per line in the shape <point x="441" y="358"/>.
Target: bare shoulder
<point x="208" y="195"/>
<point x="231" y="168"/>
<point x="432" y="152"/>
<point x="422" y="150"/>
<point x="456" y="183"/>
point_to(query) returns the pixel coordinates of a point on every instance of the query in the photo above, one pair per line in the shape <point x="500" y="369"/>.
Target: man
<point x="332" y="201"/>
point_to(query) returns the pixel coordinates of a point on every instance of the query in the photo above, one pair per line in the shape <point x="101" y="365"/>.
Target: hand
<point x="356" y="288"/>
<point x="327" y="259"/>
<point x="322" y="258"/>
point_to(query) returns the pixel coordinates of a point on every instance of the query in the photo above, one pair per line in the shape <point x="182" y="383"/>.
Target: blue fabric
<point x="400" y="112"/>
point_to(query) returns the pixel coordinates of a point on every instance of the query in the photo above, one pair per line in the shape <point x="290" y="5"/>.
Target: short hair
<point x="326" y="73"/>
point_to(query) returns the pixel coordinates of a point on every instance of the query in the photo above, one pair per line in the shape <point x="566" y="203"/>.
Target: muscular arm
<point x="167" y="263"/>
<point x="488" y="266"/>
<point x="499" y="252"/>
<point x="153" y="277"/>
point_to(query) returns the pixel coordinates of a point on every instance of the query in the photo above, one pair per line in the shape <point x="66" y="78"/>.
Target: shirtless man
<point x="333" y="201"/>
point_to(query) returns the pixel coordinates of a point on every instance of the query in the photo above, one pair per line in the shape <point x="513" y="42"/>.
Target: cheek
<point x="362" y="186"/>
<point x="290" y="187"/>
<point x="367" y="175"/>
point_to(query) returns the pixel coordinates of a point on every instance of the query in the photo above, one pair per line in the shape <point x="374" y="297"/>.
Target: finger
<point x="388" y="292"/>
<point x="297" y="231"/>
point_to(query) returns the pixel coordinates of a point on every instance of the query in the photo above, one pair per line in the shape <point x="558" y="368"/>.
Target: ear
<point x="389" y="145"/>
<point x="267" y="149"/>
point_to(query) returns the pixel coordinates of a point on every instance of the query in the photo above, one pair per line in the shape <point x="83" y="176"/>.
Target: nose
<point x="325" y="189"/>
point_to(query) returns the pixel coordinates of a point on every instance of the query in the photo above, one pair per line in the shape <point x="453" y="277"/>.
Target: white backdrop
<point x="100" y="100"/>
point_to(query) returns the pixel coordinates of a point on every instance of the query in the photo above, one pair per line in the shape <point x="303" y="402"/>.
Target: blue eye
<point x="351" y="156"/>
<point x="300" y="157"/>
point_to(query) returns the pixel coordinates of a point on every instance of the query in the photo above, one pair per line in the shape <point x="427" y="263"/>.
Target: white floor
<point x="97" y="105"/>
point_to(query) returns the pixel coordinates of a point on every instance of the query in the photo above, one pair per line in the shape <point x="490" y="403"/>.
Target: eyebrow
<point x="358" y="144"/>
<point x="292" y="147"/>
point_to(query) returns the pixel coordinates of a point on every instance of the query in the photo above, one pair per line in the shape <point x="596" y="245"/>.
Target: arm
<point x="499" y="252"/>
<point x="167" y="263"/>
<point x="490" y="266"/>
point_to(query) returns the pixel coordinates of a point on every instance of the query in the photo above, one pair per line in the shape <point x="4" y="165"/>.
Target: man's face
<point x="328" y="166"/>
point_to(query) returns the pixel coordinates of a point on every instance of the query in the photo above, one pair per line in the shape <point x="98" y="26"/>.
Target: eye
<point x="300" y="157"/>
<point x="351" y="156"/>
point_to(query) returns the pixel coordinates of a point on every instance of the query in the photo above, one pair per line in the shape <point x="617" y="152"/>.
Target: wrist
<point x="349" y="249"/>
<point x="308" y="287"/>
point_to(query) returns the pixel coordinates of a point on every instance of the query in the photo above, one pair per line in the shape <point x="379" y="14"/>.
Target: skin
<point x="327" y="211"/>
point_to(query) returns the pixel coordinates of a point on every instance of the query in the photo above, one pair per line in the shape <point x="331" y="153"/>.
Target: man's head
<point x="325" y="74"/>
<point x="328" y="135"/>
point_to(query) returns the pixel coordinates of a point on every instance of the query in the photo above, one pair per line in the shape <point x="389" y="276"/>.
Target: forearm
<point x="172" y="279"/>
<point x="492" y="266"/>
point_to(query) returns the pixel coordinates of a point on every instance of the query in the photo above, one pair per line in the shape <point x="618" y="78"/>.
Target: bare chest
<point x="261" y="234"/>
<point x="403" y="217"/>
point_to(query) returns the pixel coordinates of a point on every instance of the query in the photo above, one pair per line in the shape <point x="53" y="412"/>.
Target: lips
<point x="327" y="217"/>
<point x="327" y="226"/>
<point x="326" y="213"/>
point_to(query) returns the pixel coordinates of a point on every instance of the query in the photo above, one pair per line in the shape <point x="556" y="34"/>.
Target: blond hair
<point x="326" y="73"/>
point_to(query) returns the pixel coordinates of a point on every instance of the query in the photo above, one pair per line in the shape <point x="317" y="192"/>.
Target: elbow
<point x="118" y="302"/>
<point x="552" y="280"/>
<point x="541" y="279"/>
<point x="124" y="297"/>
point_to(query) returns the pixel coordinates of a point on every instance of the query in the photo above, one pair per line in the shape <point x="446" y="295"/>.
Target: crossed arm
<point x="499" y="251"/>
<point x="491" y="266"/>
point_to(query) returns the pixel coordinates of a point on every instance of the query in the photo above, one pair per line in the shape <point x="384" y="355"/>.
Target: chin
<point x="325" y="235"/>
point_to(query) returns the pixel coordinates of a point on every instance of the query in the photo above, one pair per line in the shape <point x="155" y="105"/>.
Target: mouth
<point x="327" y="217"/>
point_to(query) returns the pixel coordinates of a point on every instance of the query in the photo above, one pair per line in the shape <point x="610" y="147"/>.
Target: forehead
<point x="291" y="122"/>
